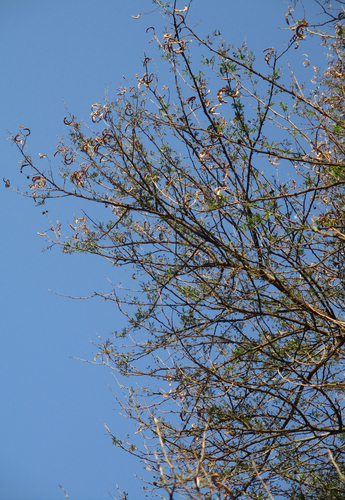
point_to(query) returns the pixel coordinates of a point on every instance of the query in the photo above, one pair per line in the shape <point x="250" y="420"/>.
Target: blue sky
<point x="52" y="405"/>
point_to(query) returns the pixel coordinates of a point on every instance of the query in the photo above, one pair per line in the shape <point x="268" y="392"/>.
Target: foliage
<point x="223" y="190"/>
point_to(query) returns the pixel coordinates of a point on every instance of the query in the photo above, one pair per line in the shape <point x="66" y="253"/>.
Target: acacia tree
<point x="223" y="190"/>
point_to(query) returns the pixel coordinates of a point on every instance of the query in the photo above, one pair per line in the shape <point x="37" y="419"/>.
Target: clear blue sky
<point x="52" y="405"/>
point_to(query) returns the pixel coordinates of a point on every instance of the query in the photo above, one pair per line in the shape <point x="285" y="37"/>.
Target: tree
<point x="223" y="190"/>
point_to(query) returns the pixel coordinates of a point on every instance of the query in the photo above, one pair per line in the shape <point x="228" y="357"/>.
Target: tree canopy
<point x="221" y="185"/>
